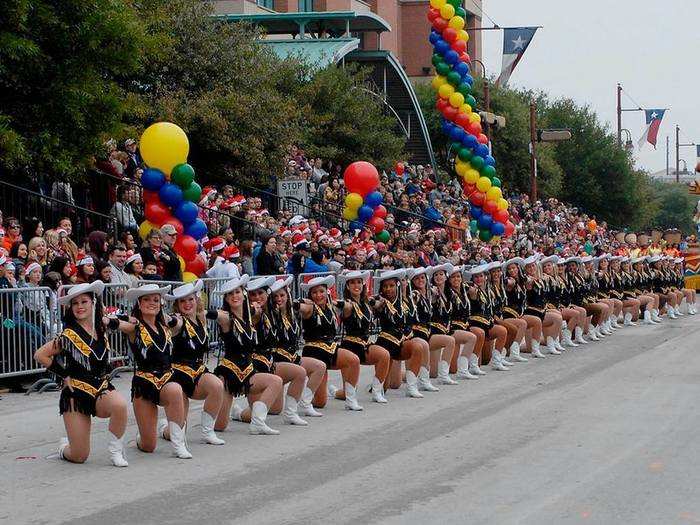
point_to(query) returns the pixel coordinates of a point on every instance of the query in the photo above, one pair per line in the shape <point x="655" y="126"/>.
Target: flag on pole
<point x="653" y="122"/>
<point x="515" y="42"/>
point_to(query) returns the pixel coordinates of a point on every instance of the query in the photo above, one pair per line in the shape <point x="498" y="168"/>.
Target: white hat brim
<point x="236" y="282"/>
<point x="95" y="287"/>
<point x="133" y="294"/>
<point x="326" y="281"/>
<point x="281" y="283"/>
<point x="185" y="290"/>
<point x="260" y="283"/>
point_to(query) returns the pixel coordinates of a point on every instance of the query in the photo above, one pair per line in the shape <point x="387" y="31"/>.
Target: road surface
<point x="606" y="433"/>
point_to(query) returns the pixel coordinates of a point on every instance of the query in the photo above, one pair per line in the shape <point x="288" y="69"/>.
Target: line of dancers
<point x="442" y="322"/>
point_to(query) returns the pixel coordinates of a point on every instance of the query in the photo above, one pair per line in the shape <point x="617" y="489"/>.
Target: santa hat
<point x="322" y="238"/>
<point x="207" y="192"/>
<point x="263" y="212"/>
<point x="335" y="233"/>
<point x="285" y="232"/>
<point x="216" y="244"/>
<point x="231" y="252"/>
<point x="239" y="200"/>
<point x="84" y="259"/>
<point x="298" y="240"/>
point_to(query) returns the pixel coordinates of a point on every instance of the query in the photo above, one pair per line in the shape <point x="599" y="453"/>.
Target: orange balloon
<point x="592" y="225"/>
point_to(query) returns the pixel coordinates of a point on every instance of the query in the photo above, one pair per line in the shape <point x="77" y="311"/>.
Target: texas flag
<point x="654" y="117"/>
<point x="515" y="42"/>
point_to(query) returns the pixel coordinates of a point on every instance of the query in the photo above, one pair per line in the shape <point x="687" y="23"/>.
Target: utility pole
<point x="533" y="158"/>
<point x="487" y="103"/>
<point x="619" y="115"/>
<point x="668" y="153"/>
<point x="678" y="150"/>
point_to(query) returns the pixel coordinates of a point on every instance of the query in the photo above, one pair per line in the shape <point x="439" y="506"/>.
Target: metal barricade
<point x="213" y="301"/>
<point x="27" y="320"/>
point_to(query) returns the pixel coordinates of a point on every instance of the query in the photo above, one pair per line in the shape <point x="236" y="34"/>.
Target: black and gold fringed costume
<point x="189" y="348"/>
<point x="320" y="331"/>
<point x="152" y="351"/>
<point x="537" y="299"/>
<point x="86" y="361"/>
<point x="286" y="334"/>
<point x="461" y="308"/>
<point x="498" y="300"/>
<point x="421" y="314"/>
<point x="482" y="312"/>
<point x="236" y="365"/>
<point x="357" y="328"/>
<point x="442" y="314"/>
<point x="262" y="355"/>
<point x="395" y="323"/>
<point x="514" y="307"/>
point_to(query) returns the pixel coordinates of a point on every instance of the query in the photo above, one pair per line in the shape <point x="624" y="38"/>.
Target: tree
<point x="675" y="207"/>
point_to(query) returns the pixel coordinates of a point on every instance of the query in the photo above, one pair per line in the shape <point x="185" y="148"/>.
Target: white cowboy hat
<point x="185" y="290"/>
<point x="432" y="270"/>
<point x="355" y="274"/>
<point x="654" y="259"/>
<point x="281" y="283"/>
<point x="573" y="259"/>
<point x="132" y="294"/>
<point x="554" y="259"/>
<point x="495" y="265"/>
<point x="532" y="259"/>
<point x="515" y="260"/>
<point x="454" y="269"/>
<point x="391" y="274"/>
<point x="412" y="273"/>
<point x="236" y="282"/>
<point x="587" y="259"/>
<point x="95" y="287"/>
<point x="638" y="260"/>
<point x="476" y="270"/>
<point x="326" y="280"/>
<point x="260" y="282"/>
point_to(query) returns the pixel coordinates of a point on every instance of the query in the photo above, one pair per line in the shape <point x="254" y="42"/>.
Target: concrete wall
<point x="248" y="7"/>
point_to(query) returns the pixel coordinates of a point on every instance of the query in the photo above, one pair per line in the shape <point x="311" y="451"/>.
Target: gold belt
<point x="88" y="388"/>
<point x="422" y="329"/>
<point x="266" y="360"/>
<point x="330" y="348"/>
<point x="233" y="367"/>
<point x="440" y="326"/>
<point x="353" y="339"/>
<point x="389" y="337"/>
<point x="461" y="324"/>
<point x="158" y="382"/>
<point x="189" y="371"/>
<point x="287" y="355"/>
<point x="536" y="309"/>
<point x="511" y="311"/>
<point x="479" y="319"/>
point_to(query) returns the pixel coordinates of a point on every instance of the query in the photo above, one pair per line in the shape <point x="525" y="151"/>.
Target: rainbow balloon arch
<point x="363" y="204"/>
<point x="462" y="123"/>
<point x="170" y="194"/>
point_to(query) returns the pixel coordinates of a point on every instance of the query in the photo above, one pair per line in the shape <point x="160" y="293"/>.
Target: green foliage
<point x="676" y="207"/>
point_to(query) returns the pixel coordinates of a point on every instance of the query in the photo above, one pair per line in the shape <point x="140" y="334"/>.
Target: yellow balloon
<point x="466" y="108"/>
<point x="502" y="204"/>
<point x="446" y="90"/>
<point x="456" y="22"/>
<point x="182" y="263"/>
<point x="461" y="168"/>
<point x="456" y="99"/>
<point x="462" y="35"/>
<point x="472" y="176"/>
<point x="164" y="145"/>
<point x="437" y="4"/>
<point x="353" y="201"/>
<point x="494" y="192"/>
<point x="438" y="81"/>
<point x="474" y="117"/>
<point x="495" y="239"/>
<point x="349" y="214"/>
<point x="145" y="228"/>
<point x="188" y="277"/>
<point x="447" y="11"/>
<point x="483" y="184"/>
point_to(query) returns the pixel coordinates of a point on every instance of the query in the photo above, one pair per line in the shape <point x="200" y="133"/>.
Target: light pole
<point x="678" y="151"/>
<point x="541" y="135"/>
<point x="619" y="114"/>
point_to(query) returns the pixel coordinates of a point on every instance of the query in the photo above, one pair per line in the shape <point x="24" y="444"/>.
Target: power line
<point x="483" y="13"/>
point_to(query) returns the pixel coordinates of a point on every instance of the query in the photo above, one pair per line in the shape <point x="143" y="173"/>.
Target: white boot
<point x="628" y="320"/>
<point x="305" y="408"/>
<point x="504" y="360"/>
<point x="616" y="322"/>
<point x="692" y="310"/>
<point x="290" y="415"/>
<point x="605" y="328"/>
<point x="655" y="316"/>
<point x="424" y="383"/>
<point x="257" y="420"/>
<point x="332" y="389"/>
<point x="378" y="391"/>
<point x="558" y="346"/>
<point x="647" y="317"/>
<point x="208" y="435"/>
<point x="515" y="353"/>
<point x="671" y="312"/>
<point x="591" y="334"/>
<point x="550" y="348"/>
<point x="412" y="385"/>
<point x="177" y="441"/>
<point x="578" y="336"/>
<point x="496" y="363"/>
<point x="598" y="333"/>
<point x="116" y="451"/>
<point x="236" y="412"/>
<point x="162" y="427"/>
<point x="463" y="369"/>
<point x="351" y="398"/>
<point x="677" y="309"/>
<point x="536" y="352"/>
<point x="566" y="336"/>
<point x="474" y="366"/>
<point x="61" y="447"/>
<point x="444" y="374"/>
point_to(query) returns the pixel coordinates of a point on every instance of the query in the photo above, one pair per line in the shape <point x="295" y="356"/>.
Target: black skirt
<point x="439" y="329"/>
<point x="83" y="398"/>
<point x="326" y="352"/>
<point x="236" y="375"/>
<point x="422" y="331"/>
<point x="391" y="343"/>
<point x="188" y="377"/>
<point x="481" y="322"/>
<point x="510" y="313"/>
<point x="147" y="385"/>
<point x="458" y="325"/>
<point x="263" y="364"/>
<point x="357" y="346"/>
<point x="283" y="356"/>
<point x="537" y="312"/>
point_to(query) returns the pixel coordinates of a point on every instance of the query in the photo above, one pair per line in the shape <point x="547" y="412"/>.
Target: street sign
<point x="295" y="195"/>
<point x="553" y="135"/>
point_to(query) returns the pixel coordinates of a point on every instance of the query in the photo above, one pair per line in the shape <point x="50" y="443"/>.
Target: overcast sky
<point x="652" y="47"/>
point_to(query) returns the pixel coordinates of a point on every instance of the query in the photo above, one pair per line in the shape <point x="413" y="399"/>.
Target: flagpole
<point x="678" y="150"/>
<point x="667" y="155"/>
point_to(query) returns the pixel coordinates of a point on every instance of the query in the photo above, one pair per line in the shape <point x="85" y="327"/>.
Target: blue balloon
<point x="365" y="213"/>
<point x="497" y="228"/>
<point x="485" y="221"/>
<point x="489" y="160"/>
<point x="470" y="141"/>
<point x="374" y="199"/>
<point x="434" y="37"/>
<point x="197" y="229"/>
<point x="451" y="57"/>
<point x="152" y="179"/>
<point x="457" y="134"/>
<point x="442" y="47"/>
<point x="468" y="79"/>
<point x="170" y="194"/>
<point x="462" y="68"/>
<point x="356" y="225"/>
<point x="475" y="211"/>
<point x="447" y="127"/>
<point x="187" y="212"/>
<point x="483" y="151"/>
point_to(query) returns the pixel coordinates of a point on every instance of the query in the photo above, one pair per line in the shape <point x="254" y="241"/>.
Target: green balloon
<point x="442" y="69"/>
<point x="465" y="154"/>
<point x="488" y="171"/>
<point x="469" y="99"/>
<point x="382" y="236"/>
<point x="473" y="226"/>
<point x="182" y="175"/>
<point x="455" y="3"/>
<point x="459" y="11"/>
<point x="465" y="89"/>
<point x="496" y="182"/>
<point x="454" y="78"/>
<point x="477" y="162"/>
<point x="437" y="59"/>
<point x="192" y="193"/>
<point x="485" y="235"/>
<point x="454" y="147"/>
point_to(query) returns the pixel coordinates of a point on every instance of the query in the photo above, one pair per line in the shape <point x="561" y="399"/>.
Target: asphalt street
<point x="606" y="433"/>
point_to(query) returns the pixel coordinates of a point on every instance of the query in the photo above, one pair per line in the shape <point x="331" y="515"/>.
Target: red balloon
<point x="361" y="177"/>
<point x="157" y="213"/>
<point x="510" y="228"/>
<point x="449" y="34"/>
<point x="178" y="225"/>
<point x="462" y="119"/>
<point x="197" y="266"/>
<point x="441" y="104"/>
<point x="474" y="128"/>
<point x="440" y="24"/>
<point x="186" y="247"/>
<point x="501" y="216"/>
<point x="399" y="168"/>
<point x="380" y="211"/>
<point x="477" y="198"/>
<point x="450" y="113"/>
<point x="376" y="223"/>
<point x="491" y="207"/>
<point x="469" y="188"/>
<point x="150" y="196"/>
<point x="483" y="139"/>
<point x="460" y="46"/>
<point x="433" y="13"/>
<point x="464" y="57"/>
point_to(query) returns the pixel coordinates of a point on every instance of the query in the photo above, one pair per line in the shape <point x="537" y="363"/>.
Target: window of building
<point x="269" y="4"/>
<point x="306" y="6"/>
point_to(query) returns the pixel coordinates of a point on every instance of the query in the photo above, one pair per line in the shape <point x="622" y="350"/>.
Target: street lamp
<point x="629" y="145"/>
<point x="541" y="135"/>
<point x="678" y="150"/>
